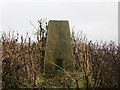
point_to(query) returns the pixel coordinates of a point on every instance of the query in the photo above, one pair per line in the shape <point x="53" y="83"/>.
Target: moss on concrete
<point x="58" y="46"/>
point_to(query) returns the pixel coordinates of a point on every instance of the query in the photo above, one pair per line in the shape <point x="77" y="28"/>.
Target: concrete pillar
<point x="58" y="49"/>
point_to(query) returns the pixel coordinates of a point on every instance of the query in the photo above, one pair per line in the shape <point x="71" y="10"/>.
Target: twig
<point x="63" y="70"/>
<point x="33" y="25"/>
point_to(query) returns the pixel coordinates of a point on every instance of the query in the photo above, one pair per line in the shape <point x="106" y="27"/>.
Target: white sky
<point x="98" y="19"/>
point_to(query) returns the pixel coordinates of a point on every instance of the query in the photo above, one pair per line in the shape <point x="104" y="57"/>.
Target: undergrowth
<point x="96" y="64"/>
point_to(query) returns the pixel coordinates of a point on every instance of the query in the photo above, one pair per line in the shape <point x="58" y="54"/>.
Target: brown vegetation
<point x="23" y="61"/>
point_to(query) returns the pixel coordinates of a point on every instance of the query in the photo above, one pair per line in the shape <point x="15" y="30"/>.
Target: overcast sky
<point x="99" y="20"/>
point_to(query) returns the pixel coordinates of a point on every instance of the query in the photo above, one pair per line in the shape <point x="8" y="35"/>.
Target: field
<point x="96" y="65"/>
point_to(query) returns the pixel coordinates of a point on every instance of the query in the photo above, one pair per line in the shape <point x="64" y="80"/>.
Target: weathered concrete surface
<point x="58" y="48"/>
